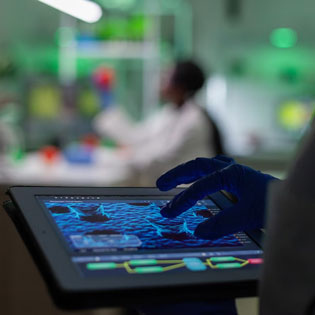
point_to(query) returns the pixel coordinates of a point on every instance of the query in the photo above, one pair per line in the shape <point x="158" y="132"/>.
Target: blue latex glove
<point x="210" y="176"/>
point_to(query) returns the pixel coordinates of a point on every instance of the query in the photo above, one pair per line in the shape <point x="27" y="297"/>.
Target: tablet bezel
<point x="67" y="281"/>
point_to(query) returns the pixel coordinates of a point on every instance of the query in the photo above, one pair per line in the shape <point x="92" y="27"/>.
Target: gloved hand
<point x="210" y="176"/>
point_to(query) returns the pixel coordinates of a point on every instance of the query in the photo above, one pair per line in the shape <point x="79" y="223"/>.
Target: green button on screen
<point x="101" y="266"/>
<point x="220" y="259"/>
<point x="228" y="266"/>
<point x="142" y="262"/>
<point x="149" y="269"/>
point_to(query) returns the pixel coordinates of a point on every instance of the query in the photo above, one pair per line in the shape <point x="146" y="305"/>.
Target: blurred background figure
<point x="181" y="130"/>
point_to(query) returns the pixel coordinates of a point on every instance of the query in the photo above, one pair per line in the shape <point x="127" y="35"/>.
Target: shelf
<point x="116" y="49"/>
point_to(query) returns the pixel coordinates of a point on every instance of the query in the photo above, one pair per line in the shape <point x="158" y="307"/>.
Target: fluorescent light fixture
<point x="84" y="10"/>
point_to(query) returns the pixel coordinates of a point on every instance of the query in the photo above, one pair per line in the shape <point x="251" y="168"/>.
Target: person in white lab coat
<point x="180" y="131"/>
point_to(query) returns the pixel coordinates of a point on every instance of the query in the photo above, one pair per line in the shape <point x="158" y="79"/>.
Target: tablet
<point x="110" y="246"/>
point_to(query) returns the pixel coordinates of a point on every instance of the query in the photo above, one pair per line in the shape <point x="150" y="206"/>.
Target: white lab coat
<point x="169" y="137"/>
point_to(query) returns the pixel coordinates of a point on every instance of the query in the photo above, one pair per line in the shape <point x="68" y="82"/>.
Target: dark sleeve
<point x="288" y="279"/>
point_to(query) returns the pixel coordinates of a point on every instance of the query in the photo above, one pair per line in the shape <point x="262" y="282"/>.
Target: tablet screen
<point x="128" y="234"/>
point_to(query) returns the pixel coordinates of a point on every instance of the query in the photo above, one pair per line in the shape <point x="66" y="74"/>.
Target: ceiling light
<point x="84" y="10"/>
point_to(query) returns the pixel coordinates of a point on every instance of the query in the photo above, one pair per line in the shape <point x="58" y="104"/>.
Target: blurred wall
<point x="215" y="31"/>
<point x="26" y="20"/>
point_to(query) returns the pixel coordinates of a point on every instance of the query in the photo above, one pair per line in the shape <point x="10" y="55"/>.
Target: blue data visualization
<point x="131" y="225"/>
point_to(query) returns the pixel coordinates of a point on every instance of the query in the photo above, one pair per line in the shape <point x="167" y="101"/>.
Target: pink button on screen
<point x="255" y="261"/>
